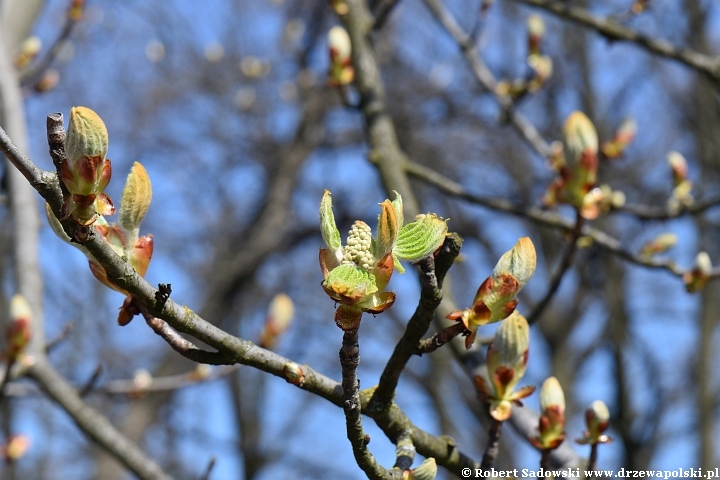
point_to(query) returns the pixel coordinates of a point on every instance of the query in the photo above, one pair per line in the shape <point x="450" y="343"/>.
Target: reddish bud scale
<point x="18" y="335"/>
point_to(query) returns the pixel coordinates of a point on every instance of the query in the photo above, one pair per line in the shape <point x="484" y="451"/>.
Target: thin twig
<point x="129" y="386"/>
<point x="349" y="361"/>
<point x="592" y="462"/>
<point x="441" y="338"/>
<point x="6" y="378"/>
<point x="560" y="273"/>
<point x="545" y="459"/>
<point x="486" y="79"/>
<point x="95" y="425"/>
<point x="646" y="212"/>
<point x="546" y="218"/>
<point x="181" y="345"/>
<point x="52" y="344"/>
<point x="613" y="31"/>
<point x="92" y="381"/>
<point x="209" y="469"/>
<point x="33" y="73"/>
<point x="404" y="451"/>
<point x="493" y="445"/>
<point x="183" y="319"/>
<point x="407" y="346"/>
<point x="382" y="13"/>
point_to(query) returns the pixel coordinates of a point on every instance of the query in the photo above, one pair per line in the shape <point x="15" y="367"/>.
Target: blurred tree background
<point x="227" y="105"/>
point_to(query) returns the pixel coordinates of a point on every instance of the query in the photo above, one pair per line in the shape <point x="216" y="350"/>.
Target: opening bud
<point x="279" y="317"/>
<point x="597" y="419"/>
<point x="551" y="428"/>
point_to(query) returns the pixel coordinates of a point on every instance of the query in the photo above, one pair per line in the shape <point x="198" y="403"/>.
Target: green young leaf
<point x="398" y="206"/>
<point x="420" y="238"/>
<point x="387" y="229"/>
<point x="329" y="230"/>
<point x="135" y="202"/>
<point x="398" y="266"/>
<point x="349" y="284"/>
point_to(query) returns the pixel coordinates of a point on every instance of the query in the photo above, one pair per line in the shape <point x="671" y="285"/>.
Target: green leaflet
<point x="387" y="229"/>
<point x="420" y="238"/>
<point x="329" y="230"/>
<point x="398" y="206"/>
<point x="349" y="280"/>
<point x="136" y="198"/>
<point x="398" y="266"/>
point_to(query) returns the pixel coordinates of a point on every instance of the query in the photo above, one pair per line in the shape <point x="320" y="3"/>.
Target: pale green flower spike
<point x="357" y="273"/>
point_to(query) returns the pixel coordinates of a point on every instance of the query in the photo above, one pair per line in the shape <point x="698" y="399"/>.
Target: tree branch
<point x="407" y="346"/>
<point x="33" y="73"/>
<point x="393" y="421"/>
<point x="645" y="212"/>
<point x="561" y="271"/>
<point x="486" y="79"/>
<point x="349" y="361"/>
<point x="96" y="426"/>
<point x="184" y="347"/>
<point x="546" y="218"/>
<point x="493" y="445"/>
<point x="385" y="151"/>
<point x="702" y="63"/>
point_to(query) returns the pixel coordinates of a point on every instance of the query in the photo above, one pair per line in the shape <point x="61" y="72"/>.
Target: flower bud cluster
<point x="359" y="244"/>
<point x="624" y="136"/>
<point x="576" y="164"/>
<point x="356" y="274"/>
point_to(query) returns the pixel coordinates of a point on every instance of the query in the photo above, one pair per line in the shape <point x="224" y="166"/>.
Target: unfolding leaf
<point x="136" y="199"/>
<point x="420" y="238"/>
<point x="329" y="230"/>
